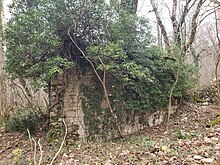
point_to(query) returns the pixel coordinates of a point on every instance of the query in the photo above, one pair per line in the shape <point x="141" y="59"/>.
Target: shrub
<point x="23" y="119"/>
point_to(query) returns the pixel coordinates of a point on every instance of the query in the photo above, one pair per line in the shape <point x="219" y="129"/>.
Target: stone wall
<point x="69" y="107"/>
<point x="72" y="108"/>
<point x="65" y="100"/>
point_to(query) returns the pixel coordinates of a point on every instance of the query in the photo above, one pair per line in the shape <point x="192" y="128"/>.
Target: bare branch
<point x="160" y="23"/>
<point x="83" y="54"/>
<point x="218" y="58"/>
<point x="186" y="10"/>
<point x="61" y="146"/>
<point x="213" y="10"/>
<point x="194" y="25"/>
<point x="35" y="151"/>
<point x="174" y="21"/>
<point x="41" y="152"/>
<point x="25" y="95"/>
<point x="215" y="2"/>
<point x="29" y="135"/>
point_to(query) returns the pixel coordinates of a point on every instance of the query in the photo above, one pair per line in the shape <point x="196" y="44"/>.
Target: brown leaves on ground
<point x="186" y="140"/>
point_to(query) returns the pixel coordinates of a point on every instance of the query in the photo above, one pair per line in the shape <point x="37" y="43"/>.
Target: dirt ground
<point x="185" y="141"/>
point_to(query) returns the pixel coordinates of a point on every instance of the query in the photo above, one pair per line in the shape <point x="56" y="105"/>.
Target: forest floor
<point x="185" y="141"/>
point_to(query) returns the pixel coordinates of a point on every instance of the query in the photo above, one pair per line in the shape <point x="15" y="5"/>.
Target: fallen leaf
<point x="207" y="160"/>
<point x="197" y="157"/>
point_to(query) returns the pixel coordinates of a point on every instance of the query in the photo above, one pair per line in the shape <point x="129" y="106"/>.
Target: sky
<point x="143" y="10"/>
<point x="6" y="12"/>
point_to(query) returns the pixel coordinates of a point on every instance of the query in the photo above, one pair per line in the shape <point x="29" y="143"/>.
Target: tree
<point x="44" y="39"/>
<point x="180" y="13"/>
<point x="1" y="61"/>
<point x="183" y="34"/>
<point x="217" y="12"/>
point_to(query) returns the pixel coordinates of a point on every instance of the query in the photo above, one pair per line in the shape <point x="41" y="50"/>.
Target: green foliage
<point x="17" y="155"/>
<point x="183" y="134"/>
<point x="21" y="120"/>
<point x="29" y="42"/>
<point x="36" y="36"/>
<point x="38" y="47"/>
<point x="101" y="122"/>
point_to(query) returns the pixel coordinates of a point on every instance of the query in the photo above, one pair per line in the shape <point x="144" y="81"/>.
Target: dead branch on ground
<point x="61" y="146"/>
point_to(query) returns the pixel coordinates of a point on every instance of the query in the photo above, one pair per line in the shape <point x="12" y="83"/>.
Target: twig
<point x="25" y="94"/>
<point x="61" y="146"/>
<point x="35" y="151"/>
<point x="29" y="135"/>
<point x="41" y="152"/>
<point x="5" y="149"/>
<point x="35" y="146"/>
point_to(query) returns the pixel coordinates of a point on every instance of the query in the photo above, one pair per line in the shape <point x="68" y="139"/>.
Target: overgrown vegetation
<point x="181" y="142"/>
<point x="24" y="119"/>
<point x="117" y="41"/>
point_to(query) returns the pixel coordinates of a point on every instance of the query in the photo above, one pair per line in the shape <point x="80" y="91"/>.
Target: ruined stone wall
<point x="70" y="108"/>
<point x="65" y="98"/>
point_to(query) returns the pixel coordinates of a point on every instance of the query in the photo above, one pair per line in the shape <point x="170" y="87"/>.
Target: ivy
<point x="139" y="76"/>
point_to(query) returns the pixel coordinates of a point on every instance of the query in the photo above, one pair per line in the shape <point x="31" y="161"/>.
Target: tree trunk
<point x="1" y="62"/>
<point x="218" y="56"/>
<point x="130" y="5"/>
<point x="161" y="25"/>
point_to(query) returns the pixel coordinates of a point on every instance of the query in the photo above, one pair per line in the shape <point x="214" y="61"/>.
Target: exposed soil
<point x="186" y="140"/>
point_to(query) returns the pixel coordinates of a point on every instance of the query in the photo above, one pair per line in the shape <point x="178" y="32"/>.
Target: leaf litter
<point x="186" y="140"/>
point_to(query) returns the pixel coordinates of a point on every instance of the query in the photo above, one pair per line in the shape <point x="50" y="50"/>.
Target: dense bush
<point x="23" y="119"/>
<point x="40" y="43"/>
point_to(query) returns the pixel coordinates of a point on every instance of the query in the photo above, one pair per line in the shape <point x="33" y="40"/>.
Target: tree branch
<point x="41" y="152"/>
<point x="102" y="81"/>
<point x="194" y="26"/>
<point x="174" y="21"/>
<point x="162" y="27"/>
<point x="61" y="146"/>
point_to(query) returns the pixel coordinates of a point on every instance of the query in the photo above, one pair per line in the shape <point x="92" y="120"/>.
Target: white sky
<point x="144" y="8"/>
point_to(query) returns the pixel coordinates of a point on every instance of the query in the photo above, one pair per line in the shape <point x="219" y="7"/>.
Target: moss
<point x="55" y="135"/>
<point x="199" y="100"/>
<point x="216" y="121"/>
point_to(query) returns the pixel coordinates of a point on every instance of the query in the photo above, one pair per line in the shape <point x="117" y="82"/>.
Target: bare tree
<point x="183" y="33"/>
<point x="161" y="25"/>
<point x="180" y="14"/>
<point x="218" y="44"/>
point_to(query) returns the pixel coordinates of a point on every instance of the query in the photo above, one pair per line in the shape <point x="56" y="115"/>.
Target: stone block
<point x="67" y="120"/>
<point x="52" y="114"/>
<point x="69" y="114"/>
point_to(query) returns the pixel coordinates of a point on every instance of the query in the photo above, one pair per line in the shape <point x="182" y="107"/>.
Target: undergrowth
<point x="23" y="119"/>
